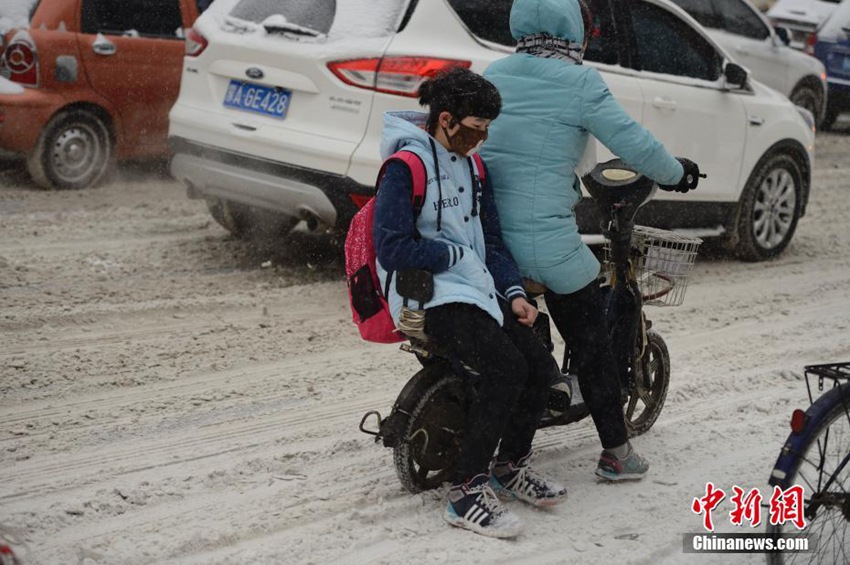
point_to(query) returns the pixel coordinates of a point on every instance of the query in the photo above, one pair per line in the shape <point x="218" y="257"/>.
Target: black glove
<point x="689" y="180"/>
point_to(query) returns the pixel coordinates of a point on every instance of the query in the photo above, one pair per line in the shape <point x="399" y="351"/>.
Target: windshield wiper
<point x="285" y="28"/>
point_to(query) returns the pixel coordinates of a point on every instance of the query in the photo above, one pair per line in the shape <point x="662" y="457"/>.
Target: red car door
<point x="132" y="51"/>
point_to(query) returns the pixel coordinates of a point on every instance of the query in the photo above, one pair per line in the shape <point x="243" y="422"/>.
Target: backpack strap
<point x="420" y="182"/>
<point x="478" y="175"/>
<point x="417" y="174"/>
<point x="479" y="168"/>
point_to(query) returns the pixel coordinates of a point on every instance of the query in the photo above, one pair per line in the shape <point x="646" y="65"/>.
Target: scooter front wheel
<point x="649" y="391"/>
<point x="427" y="454"/>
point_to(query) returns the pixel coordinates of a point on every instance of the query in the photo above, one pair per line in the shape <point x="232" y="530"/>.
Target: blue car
<point x="833" y="50"/>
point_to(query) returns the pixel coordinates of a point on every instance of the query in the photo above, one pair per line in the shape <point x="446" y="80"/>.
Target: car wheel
<point x="74" y="151"/>
<point x="770" y="208"/>
<point x="809" y="98"/>
<point x="228" y="215"/>
<point x="246" y="222"/>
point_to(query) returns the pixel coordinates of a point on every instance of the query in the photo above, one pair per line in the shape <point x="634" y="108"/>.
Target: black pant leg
<point x="580" y="319"/>
<point x="542" y="369"/>
<point x="470" y="335"/>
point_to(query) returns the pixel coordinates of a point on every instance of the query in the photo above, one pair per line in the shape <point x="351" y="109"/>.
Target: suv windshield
<point x="336" y="19"/>
<point x="316" y="15"/>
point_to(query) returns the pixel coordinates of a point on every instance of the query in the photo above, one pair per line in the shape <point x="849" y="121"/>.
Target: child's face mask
<point x="466" y="140"/>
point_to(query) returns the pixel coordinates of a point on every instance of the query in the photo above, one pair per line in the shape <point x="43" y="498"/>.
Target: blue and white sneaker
<point x="518" y="480"/>
<point x="474" y="506"/>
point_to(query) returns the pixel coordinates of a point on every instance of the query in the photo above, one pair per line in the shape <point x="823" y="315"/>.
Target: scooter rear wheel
<point x="652" y="379"/>
<point x="427" y="454"/>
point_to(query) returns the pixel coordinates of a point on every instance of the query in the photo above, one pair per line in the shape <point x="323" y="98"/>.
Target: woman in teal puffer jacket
<point x="551" y="104"/>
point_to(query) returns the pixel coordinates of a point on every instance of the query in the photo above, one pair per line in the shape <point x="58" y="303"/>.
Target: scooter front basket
<point x="663" y="261"/>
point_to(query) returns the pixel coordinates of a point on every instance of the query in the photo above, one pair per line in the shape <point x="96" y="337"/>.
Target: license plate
<point x="266" y="100"/>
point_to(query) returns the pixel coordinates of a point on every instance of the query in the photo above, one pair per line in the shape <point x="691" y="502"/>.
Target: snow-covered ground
<point x="164" y="398"/>
<point x="14" y="13"/>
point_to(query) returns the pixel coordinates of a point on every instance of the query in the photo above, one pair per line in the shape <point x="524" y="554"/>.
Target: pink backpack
<point x="369" y="308"/>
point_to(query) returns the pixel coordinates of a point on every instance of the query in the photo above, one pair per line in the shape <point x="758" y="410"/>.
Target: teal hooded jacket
<point x="549" y="107"/>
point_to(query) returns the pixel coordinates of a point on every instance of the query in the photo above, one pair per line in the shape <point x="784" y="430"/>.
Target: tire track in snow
<point x="32" y="478"/>
<point x="61" y="248"/>
<point x="94" y="340"/>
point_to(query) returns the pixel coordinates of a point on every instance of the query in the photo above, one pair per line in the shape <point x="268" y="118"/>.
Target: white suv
<point x="280" y="109"/>
<point x="738" y="27"/>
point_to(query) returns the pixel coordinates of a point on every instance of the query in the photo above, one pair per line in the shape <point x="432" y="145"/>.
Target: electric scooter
<point x="644" y="266"/>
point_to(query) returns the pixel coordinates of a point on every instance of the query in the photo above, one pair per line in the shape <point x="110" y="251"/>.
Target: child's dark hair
<point x="462" y="93"/>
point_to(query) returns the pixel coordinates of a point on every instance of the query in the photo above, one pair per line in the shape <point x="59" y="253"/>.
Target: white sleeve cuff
<point x="515" y="291"/>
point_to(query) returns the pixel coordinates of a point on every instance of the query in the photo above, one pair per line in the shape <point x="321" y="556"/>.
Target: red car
<point x="91" y="81"/>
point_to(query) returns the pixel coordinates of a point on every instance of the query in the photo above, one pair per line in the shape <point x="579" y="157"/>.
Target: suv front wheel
<point x="770" y="208"/>
<point x="74" y="151"/>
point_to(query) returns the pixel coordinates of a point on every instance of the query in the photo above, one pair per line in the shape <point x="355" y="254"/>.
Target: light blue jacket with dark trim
<point x="549" y="107"/>
<point x="459" y="234"/>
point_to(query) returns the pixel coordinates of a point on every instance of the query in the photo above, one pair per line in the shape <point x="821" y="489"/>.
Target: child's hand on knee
<point x="523" y="310"/>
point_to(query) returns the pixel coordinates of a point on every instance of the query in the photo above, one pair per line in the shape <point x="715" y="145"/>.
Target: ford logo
<point x="255" y="73"/>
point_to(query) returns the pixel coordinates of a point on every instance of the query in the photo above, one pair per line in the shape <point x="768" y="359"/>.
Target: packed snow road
<point x="171" y="395"/>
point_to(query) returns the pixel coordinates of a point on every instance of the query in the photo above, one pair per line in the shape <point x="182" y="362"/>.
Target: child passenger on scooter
<point x="553" y="102"/>
<point x="477" y="311"/>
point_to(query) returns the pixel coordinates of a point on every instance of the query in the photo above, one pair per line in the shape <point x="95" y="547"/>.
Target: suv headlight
<point x="807" y="116"/>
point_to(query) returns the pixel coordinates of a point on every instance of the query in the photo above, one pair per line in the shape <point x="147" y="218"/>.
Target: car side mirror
<point x="782" y="34"/>
<point x="736" y="75"/>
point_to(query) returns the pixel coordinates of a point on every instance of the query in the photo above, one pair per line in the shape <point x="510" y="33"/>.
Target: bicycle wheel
<point x="821" y="467"/>
<point x="427" y="453"/>
<point x="652" y="379"/>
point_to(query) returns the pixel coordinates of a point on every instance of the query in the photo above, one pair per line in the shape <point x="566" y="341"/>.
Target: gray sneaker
<point x="612" y="468"/>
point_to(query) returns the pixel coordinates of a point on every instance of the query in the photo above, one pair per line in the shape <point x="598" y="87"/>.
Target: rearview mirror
<point x="736" y="75"/>
<point x="782" y="34"/>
